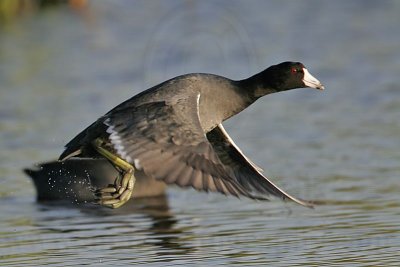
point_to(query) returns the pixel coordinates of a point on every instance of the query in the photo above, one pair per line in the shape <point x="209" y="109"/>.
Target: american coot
<point x="172" y="132"/>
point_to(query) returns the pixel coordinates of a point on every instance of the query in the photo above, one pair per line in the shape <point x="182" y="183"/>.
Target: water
<point x="61" y="69"/>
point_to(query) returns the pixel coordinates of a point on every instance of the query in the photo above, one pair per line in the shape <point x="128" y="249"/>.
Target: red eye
<point x="296" y="70"/>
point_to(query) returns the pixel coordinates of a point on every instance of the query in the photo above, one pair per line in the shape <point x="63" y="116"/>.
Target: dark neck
<point x="236" y="100"/>
<point x="258" y="85"/>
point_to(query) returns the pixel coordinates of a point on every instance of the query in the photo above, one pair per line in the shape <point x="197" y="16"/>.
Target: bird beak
<point x="311" y="81"/>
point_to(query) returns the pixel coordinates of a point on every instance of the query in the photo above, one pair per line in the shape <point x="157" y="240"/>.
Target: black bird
<point x="172" y="132"/>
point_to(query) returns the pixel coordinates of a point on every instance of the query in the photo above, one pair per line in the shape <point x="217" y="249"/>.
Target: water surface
<point x="61" y="69"/>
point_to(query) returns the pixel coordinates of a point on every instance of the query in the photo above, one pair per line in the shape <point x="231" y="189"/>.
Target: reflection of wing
<point x="167" y="141"/>
<point x="245" y="172"/>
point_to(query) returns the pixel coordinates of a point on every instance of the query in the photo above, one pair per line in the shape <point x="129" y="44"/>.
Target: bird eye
<point x="296" y="70"/>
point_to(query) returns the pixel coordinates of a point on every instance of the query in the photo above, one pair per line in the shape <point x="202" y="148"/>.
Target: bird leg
<point x="117" y="194"/>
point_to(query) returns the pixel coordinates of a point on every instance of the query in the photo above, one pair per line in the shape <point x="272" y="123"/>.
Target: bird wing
<point x="84" y="138"/>
<point x="166" y="140"/>
<point x="245" y="172"/>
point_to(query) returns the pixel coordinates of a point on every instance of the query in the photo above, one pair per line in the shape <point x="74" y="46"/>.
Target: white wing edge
<point x="259" y="170"/>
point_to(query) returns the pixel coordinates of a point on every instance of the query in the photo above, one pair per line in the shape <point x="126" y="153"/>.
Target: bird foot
<point x="117" y="194"/>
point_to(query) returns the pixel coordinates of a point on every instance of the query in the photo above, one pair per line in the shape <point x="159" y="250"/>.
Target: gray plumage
<point x="173" y="131"/>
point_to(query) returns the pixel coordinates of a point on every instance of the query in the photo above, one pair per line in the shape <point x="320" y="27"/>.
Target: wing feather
<point x="166" y="139"/>
<point x="245" y="172"/>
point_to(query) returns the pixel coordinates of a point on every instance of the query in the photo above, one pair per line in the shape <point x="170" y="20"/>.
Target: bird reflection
<point x="70" y="185"/>
<point x="163" y="232"/>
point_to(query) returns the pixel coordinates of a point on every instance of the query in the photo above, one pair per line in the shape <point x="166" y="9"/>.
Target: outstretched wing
<point x="245" y="172"/>
<point x="167" y="142"/>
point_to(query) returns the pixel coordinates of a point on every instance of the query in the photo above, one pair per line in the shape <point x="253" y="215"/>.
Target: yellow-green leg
<point x="117" y="194"/>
